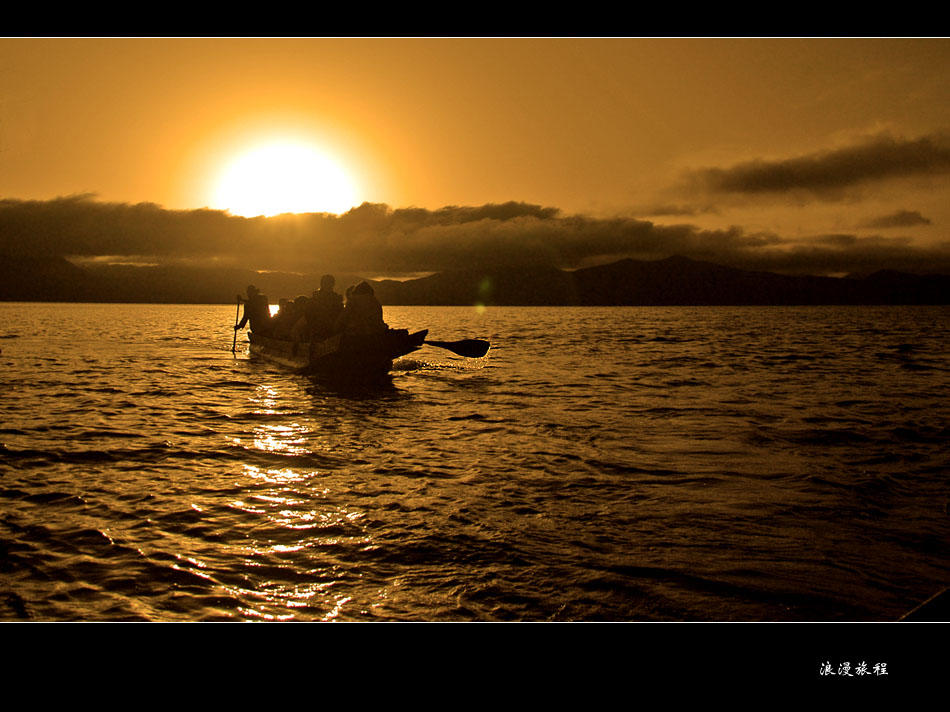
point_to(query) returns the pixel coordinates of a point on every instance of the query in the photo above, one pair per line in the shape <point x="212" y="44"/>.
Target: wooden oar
<point x="470" y="348"/>
<point x="237" y="315"/>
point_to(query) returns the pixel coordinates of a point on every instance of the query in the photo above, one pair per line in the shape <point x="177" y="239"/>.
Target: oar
<point x="470" y="348"/>
<point x="237" y="315"/>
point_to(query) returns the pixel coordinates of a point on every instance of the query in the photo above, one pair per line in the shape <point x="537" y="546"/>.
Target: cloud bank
<point x="376" y="240"/>
<point x="829" y="174"/>
<point x="902" y="218"/>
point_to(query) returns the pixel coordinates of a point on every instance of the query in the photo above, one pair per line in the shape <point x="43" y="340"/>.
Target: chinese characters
<point x="845" y="670"/>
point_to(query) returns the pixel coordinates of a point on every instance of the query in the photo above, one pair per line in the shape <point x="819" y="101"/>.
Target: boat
<point x="341" y="355"/>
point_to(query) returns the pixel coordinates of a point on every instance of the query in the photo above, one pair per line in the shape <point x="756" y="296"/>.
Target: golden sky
<point x="793" y="137"/>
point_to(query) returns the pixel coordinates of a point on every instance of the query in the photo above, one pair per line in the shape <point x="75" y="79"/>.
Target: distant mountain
<point x="889" y="286"/>
<point x="528" y="286"/>
<point x="676" y="281"/>
<point x="54" y="279"/>
<point x="30" y="278"/>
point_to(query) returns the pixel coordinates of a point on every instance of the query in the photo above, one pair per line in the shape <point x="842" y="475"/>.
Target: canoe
<point x="341" y="355"/>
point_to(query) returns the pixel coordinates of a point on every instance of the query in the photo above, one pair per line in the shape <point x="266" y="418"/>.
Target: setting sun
<point x="284" y="177"/>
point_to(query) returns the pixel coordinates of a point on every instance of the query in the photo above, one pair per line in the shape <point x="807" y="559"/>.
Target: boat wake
<point x="411" y="364"/>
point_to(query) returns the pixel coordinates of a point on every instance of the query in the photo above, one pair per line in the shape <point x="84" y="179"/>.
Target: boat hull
<point x="341" y="355"/>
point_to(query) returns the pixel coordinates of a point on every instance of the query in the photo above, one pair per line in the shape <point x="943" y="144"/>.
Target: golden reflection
<point x="337" y="609"/>
<point x="266" y="398"/>
<point x="254" y="613"/>
<point x="293" y="508"/>
<point x="192" y="560"/>
<point x="283" y="439"/>
<point x="286" y="439"/>
<point x="239" y="504"/>
<point x="284" y="549"/>
<point x="199" y="574"/>
<point x="272" y="603"/>
<point x="293" y="521"/>
<point x="313" y="520"/>
<point x="281" y="476"/>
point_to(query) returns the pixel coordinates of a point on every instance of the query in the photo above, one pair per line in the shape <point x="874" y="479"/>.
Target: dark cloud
<point x="374" y="239"/>
<point x="855" y="257"/>
<point x="902" y="218"/>
<point x="827" y="174"/>
<point x="673" y="210"/>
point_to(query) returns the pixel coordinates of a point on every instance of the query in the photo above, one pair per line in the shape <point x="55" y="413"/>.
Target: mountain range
<point x="675" y="281"/>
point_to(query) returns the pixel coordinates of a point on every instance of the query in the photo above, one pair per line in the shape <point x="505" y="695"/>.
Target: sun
<point x="284" y="177"/>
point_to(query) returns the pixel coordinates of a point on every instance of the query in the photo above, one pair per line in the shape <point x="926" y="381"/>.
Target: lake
<point x="599" y="464"/>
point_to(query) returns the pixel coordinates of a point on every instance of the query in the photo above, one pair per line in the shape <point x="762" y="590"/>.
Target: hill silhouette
<point x="675" y="281"/>
<point x="679" y="281"/>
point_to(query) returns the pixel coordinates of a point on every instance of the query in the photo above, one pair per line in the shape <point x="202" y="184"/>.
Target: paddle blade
<point x="470" y="348"/>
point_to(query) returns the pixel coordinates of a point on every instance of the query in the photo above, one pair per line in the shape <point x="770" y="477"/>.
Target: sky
<point x="781" y="153"/>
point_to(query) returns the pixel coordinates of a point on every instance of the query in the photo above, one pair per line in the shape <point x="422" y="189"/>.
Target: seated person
<point x="323" y="309"/>
<point x="363" y="314"/>
<point x="284" y="319"/>
<point x="300" y="330"/>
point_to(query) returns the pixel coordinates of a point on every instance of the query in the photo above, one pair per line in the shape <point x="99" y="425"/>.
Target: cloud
<point x="846" y="254"/>
<point x="674" y="210"/>
<point x="902" y="218"/>
<point x="375" y="240"/>
<point x="827" y="174"/>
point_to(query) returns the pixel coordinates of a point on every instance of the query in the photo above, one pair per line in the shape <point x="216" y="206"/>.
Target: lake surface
<point x="599" y="464"/>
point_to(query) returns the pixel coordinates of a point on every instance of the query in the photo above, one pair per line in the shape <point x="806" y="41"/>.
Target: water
<point x="631" y="464"/>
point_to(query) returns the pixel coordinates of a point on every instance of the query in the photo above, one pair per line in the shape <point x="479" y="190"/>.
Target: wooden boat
<point x="341" y="355"/>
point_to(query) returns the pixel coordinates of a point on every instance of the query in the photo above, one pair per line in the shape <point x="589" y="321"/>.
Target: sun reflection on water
<point x="253" y="613"/>
<point x="337" y="609"/>
<point x="283" y="439"/>
<point x="278" y="476"/>
<point x="266" y="398"/>
<point x="274" y="601"/>
<point x="292" y="521"/>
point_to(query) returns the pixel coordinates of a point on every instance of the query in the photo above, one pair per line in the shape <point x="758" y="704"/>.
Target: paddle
<point x="237" y="315"/>
<point x="470" y="348"/>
